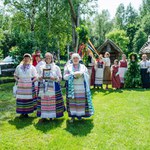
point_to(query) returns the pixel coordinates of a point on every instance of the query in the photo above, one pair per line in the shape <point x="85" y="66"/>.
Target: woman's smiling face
<point x="75" y="60"/>
<point x="48" y="59"/>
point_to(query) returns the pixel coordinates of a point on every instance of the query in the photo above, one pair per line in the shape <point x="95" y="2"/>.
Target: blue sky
<point x="111" y="5"/>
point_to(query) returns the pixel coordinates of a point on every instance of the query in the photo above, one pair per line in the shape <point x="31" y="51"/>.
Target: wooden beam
<point x="93" y="47"/>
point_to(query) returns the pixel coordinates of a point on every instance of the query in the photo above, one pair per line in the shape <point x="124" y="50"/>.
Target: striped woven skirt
<point x="50" y="100"/>
<point x="99" y="76"/>
<point x="78" y="107"/>
<point x="26" y="97"/>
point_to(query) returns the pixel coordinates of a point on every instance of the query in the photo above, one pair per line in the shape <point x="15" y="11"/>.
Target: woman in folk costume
<point x="107" y="71"/>
<point x="145" y="67"/>
<point x="50" y="102"/>
<point x="99" y="68"/>
<point x="78" y="95"/>
<point x="25" y="74"/>
<point x="115" y="75"/>
<point x="123" y="66"/>
<point x="90" y="66"/>
<point x="34" y="61"/>
<point x="40" y="62"/>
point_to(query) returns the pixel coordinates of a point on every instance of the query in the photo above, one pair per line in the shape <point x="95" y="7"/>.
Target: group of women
<point x="102" y="72"/>
<point x="38" y="88"/>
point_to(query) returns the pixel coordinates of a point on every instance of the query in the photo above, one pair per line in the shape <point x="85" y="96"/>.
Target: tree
<point x="146" y="24"/>
<point x="1" y="42"/>
<point x="139" y="40"/>
<point x="77" y="8"/>
<point x="131" y="31"/>
<point x="120" y="17"/>
<point x="131" y="15"/>
<point x="145" y="8"/>
<point x="120" y="38"/>
<point x="101" y="26"/>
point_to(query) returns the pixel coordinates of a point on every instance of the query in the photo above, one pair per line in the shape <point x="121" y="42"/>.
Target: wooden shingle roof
<point x="145" y="48"/>
<point x="108" y="41"/>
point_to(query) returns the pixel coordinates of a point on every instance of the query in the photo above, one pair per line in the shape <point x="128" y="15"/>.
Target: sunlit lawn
<point x="121" y="121"/>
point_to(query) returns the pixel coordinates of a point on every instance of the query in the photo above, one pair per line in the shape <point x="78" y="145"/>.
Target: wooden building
<point x="112" y="48"/>
<point x="146" y="48"/>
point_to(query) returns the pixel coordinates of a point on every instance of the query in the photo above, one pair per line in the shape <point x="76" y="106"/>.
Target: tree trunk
<point x="75" y="24"/>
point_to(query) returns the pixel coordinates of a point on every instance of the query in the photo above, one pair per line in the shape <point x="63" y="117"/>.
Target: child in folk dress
<point x="115" y="75"/>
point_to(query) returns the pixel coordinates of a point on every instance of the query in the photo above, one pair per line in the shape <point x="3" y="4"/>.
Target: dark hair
<point x="135" y="56"/>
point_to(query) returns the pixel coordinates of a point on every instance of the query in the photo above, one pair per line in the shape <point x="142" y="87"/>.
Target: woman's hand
<point x="35" y="79"/>
<point x="40" y="78"/>
<point x="77" y="75"/>
<point x="16" y="79"/>
<point x="53" y="78"/>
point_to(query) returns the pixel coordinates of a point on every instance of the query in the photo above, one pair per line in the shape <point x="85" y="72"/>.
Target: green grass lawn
<point x="121" y="122"/>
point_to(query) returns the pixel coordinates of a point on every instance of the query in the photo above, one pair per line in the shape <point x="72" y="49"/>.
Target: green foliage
<point x="146" y="24"/>
<point x="83" y="34"/>
<point x="145" y="8"/>
<point x="131" y="15"/>
<point x="120" y="17"/>
<point x="139" y="40"/>
<point x="131" y="31"/>
<point x="83" y="39"/>
<point x="132" y="76"/>
<point x="120" y="38"/>
<point x="99" y="27"/>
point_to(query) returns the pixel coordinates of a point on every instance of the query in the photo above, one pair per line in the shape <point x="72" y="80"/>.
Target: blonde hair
<point x="107" y="54"/>
<point x="49" y="54"/>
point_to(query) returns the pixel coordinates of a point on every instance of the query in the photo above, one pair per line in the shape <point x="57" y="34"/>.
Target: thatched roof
<point x="145" y="48"/>
<point x="108" y="41"/>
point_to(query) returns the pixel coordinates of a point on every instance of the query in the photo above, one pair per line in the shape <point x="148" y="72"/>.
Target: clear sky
<point x="112" y="5"/>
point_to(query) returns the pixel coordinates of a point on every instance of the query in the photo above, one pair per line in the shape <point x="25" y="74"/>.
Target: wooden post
<point x="77" y="37"/>
<point x="68" y="51"/>
<point x="58" y="54"/>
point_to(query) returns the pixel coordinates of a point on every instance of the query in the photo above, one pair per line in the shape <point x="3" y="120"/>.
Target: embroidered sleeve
<point x="58" y="72"/>
<point x="66" y="73"/>
<point x="34" y="72"/>
<point x="16" y="73"/>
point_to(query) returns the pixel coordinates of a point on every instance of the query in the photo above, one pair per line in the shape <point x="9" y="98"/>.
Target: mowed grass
<point x="121" y="122"/>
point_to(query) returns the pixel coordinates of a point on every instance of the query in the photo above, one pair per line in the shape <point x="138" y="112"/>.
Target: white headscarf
<point x="75" y="55"/>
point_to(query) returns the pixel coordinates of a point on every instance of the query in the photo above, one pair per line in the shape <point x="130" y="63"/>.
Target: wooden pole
<point x="93" y="47"/>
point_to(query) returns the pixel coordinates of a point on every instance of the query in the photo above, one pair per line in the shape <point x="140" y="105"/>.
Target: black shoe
<point x="26" y="115"/>
<point x="42" y="120"/>
<point x="21" y="116"/>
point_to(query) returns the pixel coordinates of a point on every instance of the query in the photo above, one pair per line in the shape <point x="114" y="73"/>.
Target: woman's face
<point x="144" y="57"/>
<point x="133" y="57"/>
<point x="37" y="58"/>
<point x="124" y="57"/>
<point x="115" y="62"/>
<point x="106" y="55"/>
<point x="48" y="59"/>
<point x="27" y="60"/>
<point x="100" y="58"/>
<point x="75" y="60"/>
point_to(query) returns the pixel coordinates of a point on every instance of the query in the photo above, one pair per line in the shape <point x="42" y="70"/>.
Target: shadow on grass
<point x="48" y="125"/>
<point x="79" y="127"/>
<point x="110" y="90"/>
<point x="105" y="92"/>
<point x="21" y="122"/>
